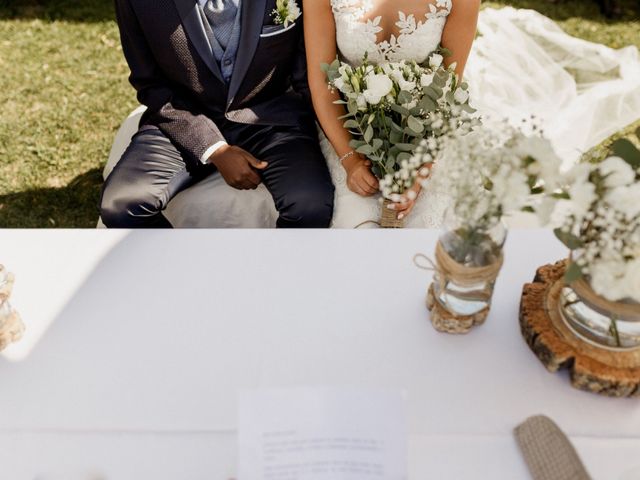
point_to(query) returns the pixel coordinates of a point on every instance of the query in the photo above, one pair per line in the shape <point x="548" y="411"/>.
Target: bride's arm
<point x="459" y="32"/>
<point x="320" y="35"/>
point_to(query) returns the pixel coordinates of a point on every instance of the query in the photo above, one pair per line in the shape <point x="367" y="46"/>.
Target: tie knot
<point x="218" y="6"/>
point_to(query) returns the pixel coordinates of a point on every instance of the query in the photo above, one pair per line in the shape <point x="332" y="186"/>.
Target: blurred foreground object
<point x="11" y="326"/>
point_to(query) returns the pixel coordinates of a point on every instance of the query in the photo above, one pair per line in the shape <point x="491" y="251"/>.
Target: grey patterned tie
<point x="221" y="15"/>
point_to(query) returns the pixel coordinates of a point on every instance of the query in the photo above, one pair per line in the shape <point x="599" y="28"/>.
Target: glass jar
<point x="610" y="325"/>
<point x="478" y="251"/>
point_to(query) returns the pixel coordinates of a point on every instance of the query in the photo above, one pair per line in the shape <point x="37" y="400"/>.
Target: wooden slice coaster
<point x="444" y="321"/>
<point x="593" y="369"/>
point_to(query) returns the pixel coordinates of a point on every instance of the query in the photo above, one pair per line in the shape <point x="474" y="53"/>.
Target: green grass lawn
<point x="64" y="93"/>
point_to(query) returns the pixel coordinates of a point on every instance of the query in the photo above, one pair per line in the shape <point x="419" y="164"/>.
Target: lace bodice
<point x="416" y="40"/>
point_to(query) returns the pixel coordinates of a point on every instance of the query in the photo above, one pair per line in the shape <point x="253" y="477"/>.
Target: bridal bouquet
<point x="395" y="109"/>
<point x="600" y="224"/>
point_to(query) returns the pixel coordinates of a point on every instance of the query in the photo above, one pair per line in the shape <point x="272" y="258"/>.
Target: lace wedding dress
<point x="417" y="38"/>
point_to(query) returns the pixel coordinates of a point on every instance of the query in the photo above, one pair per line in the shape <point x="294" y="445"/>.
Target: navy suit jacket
<point x="177" y="77"/>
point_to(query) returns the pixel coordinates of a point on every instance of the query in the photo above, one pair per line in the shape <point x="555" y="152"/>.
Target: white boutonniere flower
<point x="286" y="12"/>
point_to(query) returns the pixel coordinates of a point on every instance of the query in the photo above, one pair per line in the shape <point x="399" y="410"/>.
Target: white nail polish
<point x="391" y="206"/>
<point x="401" y="216"/>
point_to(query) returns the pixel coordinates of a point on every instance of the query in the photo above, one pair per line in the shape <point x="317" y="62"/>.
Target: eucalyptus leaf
<point x="440" y="80"/>
<point x="570" y="241"/>
<point x="626" y="150"/>
<point x="434" y="93"/>
<point x="404" y="97"/>
<point x="401" y="110"/>
<point x="411" y="133"/>
<point x="377" y="143"/>
<point x="368" y="134"/>
<point x="573" y="273"/>
<point x="415" y="124"/>
<point x="403" y="156"/>
<point x="395" y="127"/>
<point x="351" y="124"/>
<point x="390" y="163"/>
<point x="395" y="136"/>
<point x="450" y="97"/>
<point x="405" y="147"/>
<point x="428" y="105"/>
<point x="468" y="108"/>
<point x="365" y="149"/>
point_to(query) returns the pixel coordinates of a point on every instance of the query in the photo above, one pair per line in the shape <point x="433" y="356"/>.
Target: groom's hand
<point x="238" y="167"/>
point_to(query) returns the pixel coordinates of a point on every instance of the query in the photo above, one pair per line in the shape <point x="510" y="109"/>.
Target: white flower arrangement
<point x="286" y="12"/>
<point x="599" y="218"/>
<point x="395" y="109"/>
<point x="493" y="171"/>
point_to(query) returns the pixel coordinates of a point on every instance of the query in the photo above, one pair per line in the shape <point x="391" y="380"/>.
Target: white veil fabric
<point x="522" y="64"/>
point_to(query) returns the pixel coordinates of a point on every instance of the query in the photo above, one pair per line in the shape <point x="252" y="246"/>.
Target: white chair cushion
<point x="210" y="203"/>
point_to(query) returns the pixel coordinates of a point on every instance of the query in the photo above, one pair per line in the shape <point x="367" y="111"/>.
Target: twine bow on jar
<point x="449" y="271"/>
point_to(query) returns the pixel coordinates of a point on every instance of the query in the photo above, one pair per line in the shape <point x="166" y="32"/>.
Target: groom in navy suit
<point x="225" y="89"/>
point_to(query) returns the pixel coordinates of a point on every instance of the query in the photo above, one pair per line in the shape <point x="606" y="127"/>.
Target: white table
<point x="139" y="342"/>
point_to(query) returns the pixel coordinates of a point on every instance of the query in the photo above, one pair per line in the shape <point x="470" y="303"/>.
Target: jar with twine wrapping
<point x="11" y="326"/>
<point x="467" y="264"/>
<point x="598" y="321"/>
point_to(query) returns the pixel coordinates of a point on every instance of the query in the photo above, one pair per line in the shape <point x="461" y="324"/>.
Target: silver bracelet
<point x="346" y="155"/>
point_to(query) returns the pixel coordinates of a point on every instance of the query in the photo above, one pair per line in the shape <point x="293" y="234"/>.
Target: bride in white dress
<point x="386" y="31"/>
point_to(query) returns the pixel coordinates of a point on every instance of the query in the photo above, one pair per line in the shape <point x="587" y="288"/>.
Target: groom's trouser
<point x="152" y="172"/>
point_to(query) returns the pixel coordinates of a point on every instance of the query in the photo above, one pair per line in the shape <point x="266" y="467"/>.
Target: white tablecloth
<point x="138" y="343"/>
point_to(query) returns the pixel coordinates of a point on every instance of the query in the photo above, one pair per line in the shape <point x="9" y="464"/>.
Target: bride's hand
<point x="407" y="201"/>
<point x="360" y="179"/>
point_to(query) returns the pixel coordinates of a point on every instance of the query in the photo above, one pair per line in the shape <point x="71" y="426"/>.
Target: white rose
<point x="632" y="280"/>
<point x="461" y="95"/>
<point x="617" y="171"/>
<point x="435" y="60"/>
<point x="378" y="86"/>
<point x="426" y="80"/>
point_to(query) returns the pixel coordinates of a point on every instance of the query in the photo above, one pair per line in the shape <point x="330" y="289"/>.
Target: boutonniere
<point x="286" y="12"/>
